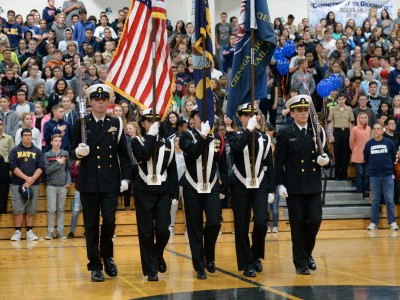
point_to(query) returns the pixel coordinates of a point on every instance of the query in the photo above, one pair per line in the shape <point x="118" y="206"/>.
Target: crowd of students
<point x="39" y="87"/>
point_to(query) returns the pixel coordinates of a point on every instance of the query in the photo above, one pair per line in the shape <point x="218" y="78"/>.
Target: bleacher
<point x="344" y="209"/>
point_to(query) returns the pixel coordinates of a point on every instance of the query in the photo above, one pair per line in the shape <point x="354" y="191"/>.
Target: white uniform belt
<point x="144" y="177"/>
<point x="194" y="185"/>
<point x="242" y="179"/>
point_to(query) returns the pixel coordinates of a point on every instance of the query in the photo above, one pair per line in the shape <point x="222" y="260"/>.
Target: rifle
<point x="82" y="104"/>
<point x="315" y="123"/>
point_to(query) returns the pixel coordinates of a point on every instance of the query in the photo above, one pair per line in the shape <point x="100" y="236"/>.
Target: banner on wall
<point x="345" y="10"/>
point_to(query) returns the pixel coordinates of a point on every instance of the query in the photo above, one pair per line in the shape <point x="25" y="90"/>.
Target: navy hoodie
<point x="27" y="159"/>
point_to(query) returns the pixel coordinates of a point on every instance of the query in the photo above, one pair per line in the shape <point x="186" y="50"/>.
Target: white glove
<point x="205" y="128"/>
<point x="174" y="202"/>
<point x="153" y="130"/>
<point x="221" y="196"/>
<point x="82" y="150"/>
<point x="252" y="123"/>
<point x="282" y="191"/>
<point x="271" y="198"/>
<point x="323" y="160"/>
<point x="124" y="186"/>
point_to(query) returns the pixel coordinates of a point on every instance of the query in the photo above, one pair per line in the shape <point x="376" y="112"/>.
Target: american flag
<point x="130" y="71"/>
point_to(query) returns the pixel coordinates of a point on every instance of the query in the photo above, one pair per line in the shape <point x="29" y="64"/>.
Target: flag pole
<point x="204" y="106"/>
<point x="252" y="46"/>
<point x="154" y="73"/>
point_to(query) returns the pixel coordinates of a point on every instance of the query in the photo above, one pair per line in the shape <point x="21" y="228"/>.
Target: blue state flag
<point x="265" y="43"/>
<point x="202" y="62"/>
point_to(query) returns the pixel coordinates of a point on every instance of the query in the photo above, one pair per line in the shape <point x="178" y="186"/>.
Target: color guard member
<point x="203" y="193"/>
<point x="298" y="176"/>
<point x="104" y="171"/>
<point x="248" y="193"/>
<point x="153" y="194"/>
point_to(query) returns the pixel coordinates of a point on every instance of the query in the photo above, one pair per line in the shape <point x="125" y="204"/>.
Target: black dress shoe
<point x="249" y="273"/>
<point x="258" y="265"/>
<point x="201" y="275"/>
<point x="303" y="271"/>
<point x="97" y="276"/>
<point x="110" y="267"/>
<point x="152" y="277"/>
<point x="210" y="266"/>
<point x="162" y="265"/>
<point x="311" y="264"/>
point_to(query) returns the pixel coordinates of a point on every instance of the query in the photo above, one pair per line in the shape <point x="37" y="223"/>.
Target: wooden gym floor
<point x="352" y="264"/>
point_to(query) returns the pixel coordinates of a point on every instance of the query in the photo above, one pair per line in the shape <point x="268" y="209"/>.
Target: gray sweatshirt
<point x="57" y="174"/>
<point x="11" y="122"/>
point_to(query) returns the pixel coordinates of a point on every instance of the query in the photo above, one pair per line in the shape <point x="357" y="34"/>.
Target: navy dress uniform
<point x="248" y="195"/>
<point x="298" y="176"/>
<point x="203" y="194"/>
<point x="105" y="170"/>
<point x="153" y="195"/>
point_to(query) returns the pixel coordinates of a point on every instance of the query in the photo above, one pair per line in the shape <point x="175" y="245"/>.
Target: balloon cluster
<point x="327" y="85"/>
<point x="280" y="55"/>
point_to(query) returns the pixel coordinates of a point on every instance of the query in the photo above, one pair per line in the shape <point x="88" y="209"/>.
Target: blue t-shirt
<point x="380" y="157"/>
<point x="13" y="32"/>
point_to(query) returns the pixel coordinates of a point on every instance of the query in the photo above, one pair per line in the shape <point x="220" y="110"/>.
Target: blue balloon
<point x="335" y="78"/>
<point x="283" y="66"/>
<point x="289" y="48"/>
<point x="278" y="54"/>
<point x="324" y="87"/>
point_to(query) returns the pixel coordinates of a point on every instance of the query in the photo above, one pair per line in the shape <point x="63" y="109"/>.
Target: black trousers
<point x="127" y="194"/>
<point x="4" y="185"/>
<point x="153" y="219"/>
<point x="195" y="204"/>
<point x="342" y="151"/>
<point x="305" y="215"/>
<point x="93" y="204"/>
<point x="243" y="200"/>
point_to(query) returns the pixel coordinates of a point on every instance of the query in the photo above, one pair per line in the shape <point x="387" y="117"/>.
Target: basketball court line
<point x="249" y="281"/>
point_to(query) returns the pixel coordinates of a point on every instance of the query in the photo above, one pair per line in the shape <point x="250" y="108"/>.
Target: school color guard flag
<point x="130" y="71"/>
<point x="202" y="61"/>
<point x="254" y="14"/>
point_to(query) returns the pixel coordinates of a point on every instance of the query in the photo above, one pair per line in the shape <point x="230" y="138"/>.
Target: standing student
<point x="104" y="172"/>
<point x="298" y="176"/>
<point x="360" y="135"/>
<point x="58" y="180"/>
<point x="341" y="117"/>
<point x="6" y="144"/>
<point x="27" y="165"/>
<point x="76" y="207"/>
<point x="203" y="194"/>
<point x="248" y="196"/>
<point x="153" y="193"/>
<point x="380" y="155"/>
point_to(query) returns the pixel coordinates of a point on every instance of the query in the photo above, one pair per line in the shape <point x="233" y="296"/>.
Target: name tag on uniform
<point x="293" y="140"/>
